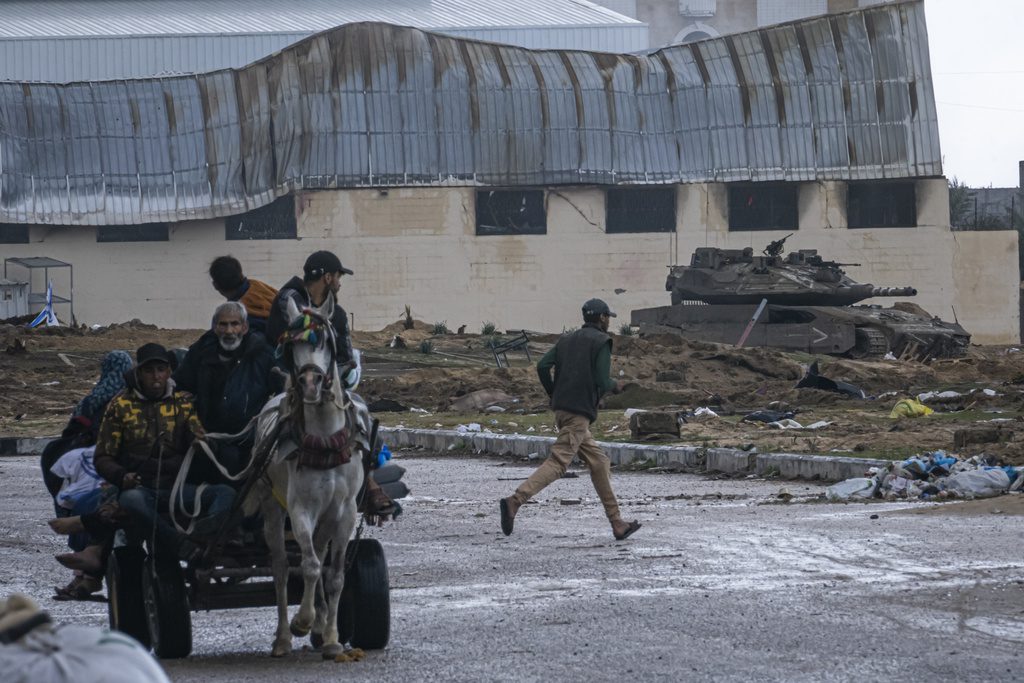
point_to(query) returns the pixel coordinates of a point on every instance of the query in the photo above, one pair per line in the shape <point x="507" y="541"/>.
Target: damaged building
<point x="477" y="181"/>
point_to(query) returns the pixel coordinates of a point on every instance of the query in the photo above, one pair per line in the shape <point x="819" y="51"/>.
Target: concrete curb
<point x="689" y="458"/>
<point x="10" y="445"/>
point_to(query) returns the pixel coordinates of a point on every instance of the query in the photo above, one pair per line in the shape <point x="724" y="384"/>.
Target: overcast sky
<point x="977" y="51"/>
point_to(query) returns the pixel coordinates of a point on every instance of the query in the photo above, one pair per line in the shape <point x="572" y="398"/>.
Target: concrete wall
<point x="419" y="247"/>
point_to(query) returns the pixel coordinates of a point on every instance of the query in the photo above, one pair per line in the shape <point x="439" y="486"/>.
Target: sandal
<point x="81" y="587"/>
<point x="627" y="532"/>
<point x="378" y="504"/>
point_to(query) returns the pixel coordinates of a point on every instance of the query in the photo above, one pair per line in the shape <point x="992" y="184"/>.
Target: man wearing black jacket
<point x="320" y="276"/>
<point x="228" y="371"/>
<point x="581" y="362"/>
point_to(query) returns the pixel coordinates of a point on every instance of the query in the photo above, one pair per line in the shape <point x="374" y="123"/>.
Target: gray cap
<point x="597" y="307"/>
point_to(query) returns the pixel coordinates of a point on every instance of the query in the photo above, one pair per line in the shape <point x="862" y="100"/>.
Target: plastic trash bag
<point x="785" y="424"/>
<point x="33" y="650"/>
<point x="978" y="483"/>
<point x="909" y="407"/>
<point x="858" y="488"/>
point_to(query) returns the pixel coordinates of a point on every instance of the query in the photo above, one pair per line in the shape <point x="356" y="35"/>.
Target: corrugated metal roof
<point x="845" y="96"/>
<point x="69" y="18"/>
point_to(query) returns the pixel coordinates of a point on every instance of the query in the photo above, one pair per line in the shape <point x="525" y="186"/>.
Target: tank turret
<point x="802" y="278"/>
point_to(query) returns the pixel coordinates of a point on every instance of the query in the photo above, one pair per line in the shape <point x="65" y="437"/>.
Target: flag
<point x="46" y="315"/>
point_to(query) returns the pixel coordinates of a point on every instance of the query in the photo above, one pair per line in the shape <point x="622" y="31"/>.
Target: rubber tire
<point x="364" y="611"/>
<point x="126" y="610"/>
<point x="167" y="610"/>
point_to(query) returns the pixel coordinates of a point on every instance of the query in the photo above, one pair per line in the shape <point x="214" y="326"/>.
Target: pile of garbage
<point x="931" y="476"/>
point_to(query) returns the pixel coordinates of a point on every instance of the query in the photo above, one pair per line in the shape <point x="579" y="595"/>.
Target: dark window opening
<point x="641" y="210"/>
<point x="763" y="207"/>
<point x="881" y="205"/>
<point x="510" y="212"/>
<point x="146" y="232"/>
<point x="275" y="221"/>
<point x="11" y="233"/>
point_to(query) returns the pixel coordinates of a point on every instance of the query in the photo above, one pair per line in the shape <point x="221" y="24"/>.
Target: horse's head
<point x="309" y="341"/>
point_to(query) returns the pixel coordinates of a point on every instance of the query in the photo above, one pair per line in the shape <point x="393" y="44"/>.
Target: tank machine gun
<point x="810" y="306"/>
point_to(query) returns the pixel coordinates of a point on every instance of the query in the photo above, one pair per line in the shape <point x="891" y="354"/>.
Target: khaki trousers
<point x="573" y="438"/>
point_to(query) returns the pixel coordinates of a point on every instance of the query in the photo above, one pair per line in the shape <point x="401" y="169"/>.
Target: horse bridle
<point x="329" y="338"/>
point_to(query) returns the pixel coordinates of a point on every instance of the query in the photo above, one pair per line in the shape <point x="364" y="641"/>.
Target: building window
<point x="147" y="232"/>
<point x="510" y="212"/>
<point x="763" y="206"/>
<point x="650" y="209"/>
<point x="881" y="205"/>
<point x="11" y="233"/>
<point x="275" y="221"/>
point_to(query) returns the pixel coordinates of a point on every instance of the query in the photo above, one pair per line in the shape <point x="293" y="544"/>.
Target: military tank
<point x="798" y="302"/>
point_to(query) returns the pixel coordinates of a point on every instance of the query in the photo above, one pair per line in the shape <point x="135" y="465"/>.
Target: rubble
<point x="931" y="476"/>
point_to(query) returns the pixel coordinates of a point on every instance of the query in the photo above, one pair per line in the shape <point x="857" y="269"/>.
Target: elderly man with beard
<point x="228" y="373"/>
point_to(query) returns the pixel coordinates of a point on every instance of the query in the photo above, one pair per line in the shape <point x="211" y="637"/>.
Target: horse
<point x="314" y="434"/>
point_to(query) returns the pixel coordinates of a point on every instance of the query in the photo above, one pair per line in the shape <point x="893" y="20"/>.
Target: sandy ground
<point x="724" y="582"/>
<point x="58" y="366"/>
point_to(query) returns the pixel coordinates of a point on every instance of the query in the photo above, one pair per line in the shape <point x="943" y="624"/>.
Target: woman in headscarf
<point x="84" y="424"/>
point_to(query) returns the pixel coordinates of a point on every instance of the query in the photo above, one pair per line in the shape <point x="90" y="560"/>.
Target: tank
<point x="809" y="305"/>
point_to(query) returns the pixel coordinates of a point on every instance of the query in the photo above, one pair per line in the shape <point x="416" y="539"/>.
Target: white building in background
<point x="79" y="40"/>
<point x="684" y="21"/>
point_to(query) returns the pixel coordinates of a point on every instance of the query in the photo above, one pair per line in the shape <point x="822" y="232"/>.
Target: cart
<point x="152" y="601"/>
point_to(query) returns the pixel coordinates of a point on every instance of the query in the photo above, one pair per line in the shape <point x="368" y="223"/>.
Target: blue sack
<point x="383" y="455"/>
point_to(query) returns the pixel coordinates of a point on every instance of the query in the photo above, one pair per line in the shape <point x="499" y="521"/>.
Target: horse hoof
<point x="333" y="650"/>
<point x="298" y="631"/>
<point x="281" y="649"/>
<point x="316" y="639"/>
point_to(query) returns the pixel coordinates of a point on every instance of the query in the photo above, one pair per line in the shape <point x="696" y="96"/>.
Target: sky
<point x="977" y="54"/>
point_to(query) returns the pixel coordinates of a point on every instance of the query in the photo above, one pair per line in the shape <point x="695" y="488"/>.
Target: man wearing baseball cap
<point x="144" y="435"/>
<point x="320" y="276"/>
<point x="582" y="365"/>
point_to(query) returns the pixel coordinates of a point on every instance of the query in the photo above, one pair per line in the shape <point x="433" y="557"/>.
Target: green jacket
<point x="581" y="362"/>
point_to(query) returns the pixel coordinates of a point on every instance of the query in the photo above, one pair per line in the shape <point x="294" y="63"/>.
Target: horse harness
<point x="320" y="452"/>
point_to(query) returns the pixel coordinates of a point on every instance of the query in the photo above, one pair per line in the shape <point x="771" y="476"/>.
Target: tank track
<point x="871" y="343"/>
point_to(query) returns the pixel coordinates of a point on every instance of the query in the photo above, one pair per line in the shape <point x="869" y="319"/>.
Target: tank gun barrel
<point x="893" y="291"/>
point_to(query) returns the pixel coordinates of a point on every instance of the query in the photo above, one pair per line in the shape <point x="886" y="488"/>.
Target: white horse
<point x="318" y="432"/>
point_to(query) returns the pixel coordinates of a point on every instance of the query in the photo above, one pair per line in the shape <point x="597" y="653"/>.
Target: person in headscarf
<point x="115" y="365"/>
<point x="84" y="424"/>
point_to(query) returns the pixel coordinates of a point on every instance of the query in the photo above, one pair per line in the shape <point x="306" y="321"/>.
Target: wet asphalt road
<point x="724" y="582"/>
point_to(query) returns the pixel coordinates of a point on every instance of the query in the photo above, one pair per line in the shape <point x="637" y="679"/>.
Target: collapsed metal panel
<point x="367" y="105"/>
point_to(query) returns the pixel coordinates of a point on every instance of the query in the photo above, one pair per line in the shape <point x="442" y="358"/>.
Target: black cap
<point x="320" y="263"/>
<point x="152" y="352"/>
<point x="597" y="307"/>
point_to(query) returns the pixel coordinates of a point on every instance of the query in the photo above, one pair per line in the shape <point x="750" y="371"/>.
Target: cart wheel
<point x="167" y="609"/>
<point x="364" y="613"/>
<point x="125" y="608"/>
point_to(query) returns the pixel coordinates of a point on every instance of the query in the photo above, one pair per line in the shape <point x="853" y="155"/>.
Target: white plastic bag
<point x="858" y="488"/>
<point x="978" y="483"/>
